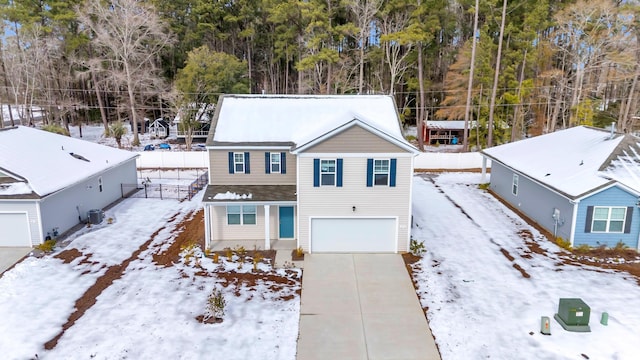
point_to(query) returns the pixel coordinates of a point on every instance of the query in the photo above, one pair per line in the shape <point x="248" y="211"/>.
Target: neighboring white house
<point x="50" y="181"/>
<point x="329" y="173"/>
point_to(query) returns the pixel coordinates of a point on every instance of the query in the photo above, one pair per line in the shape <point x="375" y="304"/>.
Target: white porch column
<point x="207" y="226"/>
<point x="267" y="232"/>
<point x="484" y="170"/>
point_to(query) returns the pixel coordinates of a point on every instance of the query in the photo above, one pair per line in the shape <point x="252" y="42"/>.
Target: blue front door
<point x="286" y="222"/>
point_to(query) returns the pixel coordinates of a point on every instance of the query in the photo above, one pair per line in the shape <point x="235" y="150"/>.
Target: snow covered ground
<point x="481" y="306"/>
<point x="150" y="311"/>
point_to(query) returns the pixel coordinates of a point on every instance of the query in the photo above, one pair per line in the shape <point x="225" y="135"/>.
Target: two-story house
<point x="330" y="173"/>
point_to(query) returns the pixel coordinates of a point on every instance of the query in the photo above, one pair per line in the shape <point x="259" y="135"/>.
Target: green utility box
<point x="573" y="315"/>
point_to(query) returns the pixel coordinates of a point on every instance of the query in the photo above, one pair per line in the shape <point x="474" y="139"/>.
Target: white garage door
<point x="345" y="235"/>
<point x="14" y="229"/>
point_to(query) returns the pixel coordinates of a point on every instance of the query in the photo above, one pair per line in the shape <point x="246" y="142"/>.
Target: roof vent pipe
<point x="613" y="129"/>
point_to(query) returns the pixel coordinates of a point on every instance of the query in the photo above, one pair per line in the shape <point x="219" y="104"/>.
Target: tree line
<point x="539" y="65"/>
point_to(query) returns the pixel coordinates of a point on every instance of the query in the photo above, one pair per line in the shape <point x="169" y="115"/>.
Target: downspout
<point x="40" y="229"/>
<point x="574" y="218"/>
<point x="484" y="170"/>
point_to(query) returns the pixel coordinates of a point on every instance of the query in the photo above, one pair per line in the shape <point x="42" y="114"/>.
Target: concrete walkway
<point x="361" y="306"/>
<point x="11" y="255"/>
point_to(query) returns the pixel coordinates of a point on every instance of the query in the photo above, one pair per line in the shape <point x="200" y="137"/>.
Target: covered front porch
<point x="253" y="216"/>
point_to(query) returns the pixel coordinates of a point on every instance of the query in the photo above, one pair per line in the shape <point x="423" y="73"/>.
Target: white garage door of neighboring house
<point x="14" y="229"/>
<point x="344" y="235"/>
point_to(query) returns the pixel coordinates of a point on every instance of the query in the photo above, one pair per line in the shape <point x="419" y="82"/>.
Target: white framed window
<point x="608" y="219"/>
<point x="514" y="185"/>
<point x="275" y="163"/>
<point x="241" y="214"/>
<point x="238" y="162"/>
<point x="328" y="172"/>
<point x="380" y="172"/>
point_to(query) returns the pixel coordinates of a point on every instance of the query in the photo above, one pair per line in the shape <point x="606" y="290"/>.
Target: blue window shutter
<point x="231" y="168"/>
<point x="627" y="221"/>
<point x="316" y="172"/>
<point x="246" y="163"/>
<point x="587" y="225"/>
<point x="283" y="163"/>
<point x="369" y="172"/>
<point x="267" y="162"/>
<point x="392" y="172"/>
<point x="339" y="173"/>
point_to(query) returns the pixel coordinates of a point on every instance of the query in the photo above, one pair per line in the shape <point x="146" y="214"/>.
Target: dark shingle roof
<point x="259" y="193"/>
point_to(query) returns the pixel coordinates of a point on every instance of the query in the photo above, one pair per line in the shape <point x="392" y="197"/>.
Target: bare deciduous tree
<point x="128" y="37"/>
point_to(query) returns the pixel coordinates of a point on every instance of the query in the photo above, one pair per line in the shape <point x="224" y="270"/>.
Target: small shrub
<point x="47" y="246"/>
<point x="417" y="247"/>
<point x="299" y="251"/>
<point x="241" y="251"/>
<point x="437" y="144"/>
<point x="582" y="249"/>
<point x="257" y="257"/>
<point x="216" y="258"/>
<point x="189" y="251"/>
<point x="565" y="244"/>
<point x="215" y="305"/>
<point x="110" y="221"/>
<point x="229" y="253"/>
<point x="484" y="186"/>
<point x="410" y="138"/>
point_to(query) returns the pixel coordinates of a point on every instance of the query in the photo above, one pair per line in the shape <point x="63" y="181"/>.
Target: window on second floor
<point x="238" y="163"/>
<point x="381" y="172"/>
<point x="275" y="163"/>
<point x="327" y="172"/>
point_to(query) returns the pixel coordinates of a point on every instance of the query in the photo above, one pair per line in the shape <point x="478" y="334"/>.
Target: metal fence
<point x="147" y="189"/>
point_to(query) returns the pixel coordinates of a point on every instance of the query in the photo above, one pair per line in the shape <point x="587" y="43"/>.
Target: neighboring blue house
<point x="581" y="184"/>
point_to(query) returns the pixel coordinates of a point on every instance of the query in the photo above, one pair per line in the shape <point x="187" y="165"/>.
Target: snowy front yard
<point x="117" y="294"/>
<point x="485" y="289"/>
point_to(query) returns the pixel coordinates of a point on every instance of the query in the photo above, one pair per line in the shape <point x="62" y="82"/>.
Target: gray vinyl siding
<point x="221" y="231"/>
<point x="355" y="140"/>
<point x="533" y="200"/>
<point x="31" y="208"/>
<point x="219" y="169"/>
<point x="369" y="201"/>
<point x="66" y="208"/>
<point x="613" y="196"/>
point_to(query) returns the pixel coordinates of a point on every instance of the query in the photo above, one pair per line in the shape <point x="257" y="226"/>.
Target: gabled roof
<point x="355" y="122"/>
<point x="298" y="119"/>
<point x="575" y="162"/>
<point x="51" y="162"/>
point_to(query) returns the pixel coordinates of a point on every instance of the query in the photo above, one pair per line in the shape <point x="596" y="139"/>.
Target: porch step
<point x="284" y="257"/>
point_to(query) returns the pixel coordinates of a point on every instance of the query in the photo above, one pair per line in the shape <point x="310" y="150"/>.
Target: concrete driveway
<point x="11" y="255"/>
<point x="361" y="306"/>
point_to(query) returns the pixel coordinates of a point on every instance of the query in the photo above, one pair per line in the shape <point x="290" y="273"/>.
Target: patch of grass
<point x="410" y="138"/>
<point x="484" y="186"/>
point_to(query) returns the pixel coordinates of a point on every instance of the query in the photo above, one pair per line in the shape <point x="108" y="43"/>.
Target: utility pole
<point x="492" y="106"/>
<point x="465" y="140"/>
